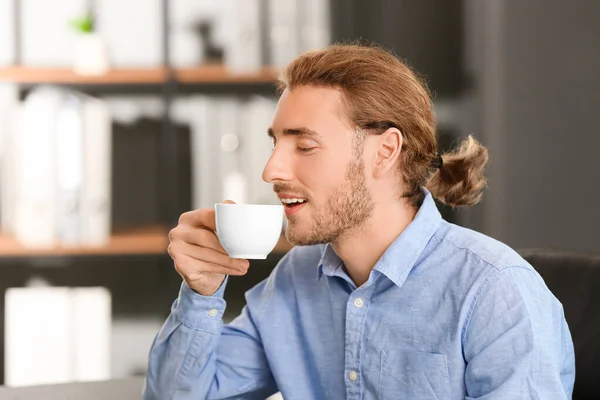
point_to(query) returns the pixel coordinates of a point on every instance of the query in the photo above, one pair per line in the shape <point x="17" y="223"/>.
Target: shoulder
<point x="478" y="248"/>
<point x="487" y="268"/>
<point x="497" y="278"/>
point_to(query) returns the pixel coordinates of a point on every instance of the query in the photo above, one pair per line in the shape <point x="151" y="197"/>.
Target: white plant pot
<point x="91" y="55"/>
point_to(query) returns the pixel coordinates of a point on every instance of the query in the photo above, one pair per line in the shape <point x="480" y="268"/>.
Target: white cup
<point x="248" y="231"/>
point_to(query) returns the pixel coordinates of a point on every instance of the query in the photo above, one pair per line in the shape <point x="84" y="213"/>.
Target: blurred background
<point x="117" y="116"/>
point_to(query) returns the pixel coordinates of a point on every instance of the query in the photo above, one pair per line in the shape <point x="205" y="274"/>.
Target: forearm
<point x="182" y="360"/>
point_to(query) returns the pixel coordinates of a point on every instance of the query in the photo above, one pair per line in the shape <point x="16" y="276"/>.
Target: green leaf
<point x="84" y="24"/>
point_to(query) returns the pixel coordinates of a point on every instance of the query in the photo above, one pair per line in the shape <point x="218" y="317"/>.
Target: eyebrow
<point x="302" y="131"/>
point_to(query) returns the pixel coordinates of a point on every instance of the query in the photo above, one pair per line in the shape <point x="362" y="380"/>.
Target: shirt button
<point x="358" y="303"/>
<point x="353" y="376"/>
<point x="213" y="312"/>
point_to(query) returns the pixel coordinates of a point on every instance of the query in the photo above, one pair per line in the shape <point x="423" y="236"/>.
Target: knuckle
<point x="232" y="263"/>
<point x="171" y="250"/>
<point x="173" y="233"/>
<point x="201" y="235"/>
<point x="184" y="217"/>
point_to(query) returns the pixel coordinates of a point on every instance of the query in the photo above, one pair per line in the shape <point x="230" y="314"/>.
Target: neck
<point x="362" y="248"/>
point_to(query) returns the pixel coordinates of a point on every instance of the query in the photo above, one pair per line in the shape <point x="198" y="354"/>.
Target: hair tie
<point x="438" y="161"/>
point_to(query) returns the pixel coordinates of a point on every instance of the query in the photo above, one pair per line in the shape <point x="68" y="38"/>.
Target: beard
<point x="346" y="210"/>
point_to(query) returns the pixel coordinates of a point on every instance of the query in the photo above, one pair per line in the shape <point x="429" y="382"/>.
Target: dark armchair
<point x="574" y="278"/>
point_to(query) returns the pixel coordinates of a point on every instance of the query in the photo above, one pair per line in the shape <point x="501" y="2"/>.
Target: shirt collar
<point x="400" y="257"/>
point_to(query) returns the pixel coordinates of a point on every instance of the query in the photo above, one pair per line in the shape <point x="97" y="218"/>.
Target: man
<point x="382" y="298"/>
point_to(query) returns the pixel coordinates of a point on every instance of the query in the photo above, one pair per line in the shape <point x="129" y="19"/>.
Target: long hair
<point x="378" y="92"/>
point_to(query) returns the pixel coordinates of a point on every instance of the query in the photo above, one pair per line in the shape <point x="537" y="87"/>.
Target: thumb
<point x="228" y="202"/>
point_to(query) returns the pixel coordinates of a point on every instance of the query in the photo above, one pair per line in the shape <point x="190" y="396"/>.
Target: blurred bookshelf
<point x="143" y="241"/>
<point x="137" y="241"/>
<point x="130" y="76"/>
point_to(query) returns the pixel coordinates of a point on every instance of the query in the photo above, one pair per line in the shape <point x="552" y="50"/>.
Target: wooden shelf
<point x="219" y="74"/>
<point x="26" y="75"/>
<point x="202" y="74"/>
<point x="142" y="241"/>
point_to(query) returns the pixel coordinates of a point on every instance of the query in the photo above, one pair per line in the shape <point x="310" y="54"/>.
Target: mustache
<point x="284" y="187"/>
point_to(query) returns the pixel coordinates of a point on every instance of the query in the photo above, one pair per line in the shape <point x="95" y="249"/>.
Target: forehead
<point x="313" y="107"/>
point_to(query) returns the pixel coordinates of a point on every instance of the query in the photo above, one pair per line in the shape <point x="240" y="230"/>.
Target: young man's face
<point x="317" y="161"/>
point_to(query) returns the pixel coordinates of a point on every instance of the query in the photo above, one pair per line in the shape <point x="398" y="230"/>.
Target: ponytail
<point x="460" y="179"/>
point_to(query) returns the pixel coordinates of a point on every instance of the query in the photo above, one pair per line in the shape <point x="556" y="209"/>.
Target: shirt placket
<point x="356" y="310"/>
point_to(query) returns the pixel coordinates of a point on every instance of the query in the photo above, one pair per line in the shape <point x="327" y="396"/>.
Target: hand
<point x="198" y="255"/>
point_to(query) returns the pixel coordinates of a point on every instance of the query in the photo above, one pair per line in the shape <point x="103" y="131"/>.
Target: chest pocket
<point x="407" y="374"/>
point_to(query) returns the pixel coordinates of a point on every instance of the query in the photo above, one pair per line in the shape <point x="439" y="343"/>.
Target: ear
<point x="389" y="147"/>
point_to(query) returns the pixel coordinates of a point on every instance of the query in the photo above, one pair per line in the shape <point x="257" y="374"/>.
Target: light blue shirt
<point x="447" y="313"/>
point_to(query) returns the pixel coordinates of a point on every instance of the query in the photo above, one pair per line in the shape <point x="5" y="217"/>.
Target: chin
<point x="297" y="236"/>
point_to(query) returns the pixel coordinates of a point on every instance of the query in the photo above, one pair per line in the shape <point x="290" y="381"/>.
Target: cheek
<point x="321" y="178"/>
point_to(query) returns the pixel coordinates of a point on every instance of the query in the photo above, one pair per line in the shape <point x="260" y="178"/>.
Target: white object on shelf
<point x="47" y="38"/>
<point x="315" y="25"/>
<point x="62" y="170"/>
<point x="69" y="137"/>
<point x="284" y="38"/>
<point x="132" y="30"/>
<point x="37" y="339"/>
<point x="91" y="55"/>
<point x="35" y="170"/>
<point x="97" y="173"/>
<point x="7" y="38"/>
<point x="207" y="185"/>
<point x="91" y="316"/>
<point x="187" y="49"/>
<point x="243" y="50"/>
<point x="56" y="335"/>
<point x="9" y="108"/>
<point x="187" y="14"/>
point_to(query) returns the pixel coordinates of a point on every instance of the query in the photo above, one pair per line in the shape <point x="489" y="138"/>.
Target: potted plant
<point x="91" y="55"/>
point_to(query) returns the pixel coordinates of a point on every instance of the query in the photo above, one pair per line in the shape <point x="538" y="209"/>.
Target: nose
<point x="277" y="168"/>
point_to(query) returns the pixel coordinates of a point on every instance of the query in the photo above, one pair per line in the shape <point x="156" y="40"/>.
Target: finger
<point x="228" y="202"/>
<point x="200" y="237"/>
<point x="190" y="266"/>
<point x="212" y="256"/>
<point x="202" y="218"/>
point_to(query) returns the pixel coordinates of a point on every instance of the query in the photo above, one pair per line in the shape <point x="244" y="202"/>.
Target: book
<point x="97" y="173"/>
<point x="35" y="169"/>
<point x="9" y="109"/>
<point x="243" y="51"/>
<point x="69" y="158"/>
<point x="206" y="183"/>
<point x="56" y="335"/>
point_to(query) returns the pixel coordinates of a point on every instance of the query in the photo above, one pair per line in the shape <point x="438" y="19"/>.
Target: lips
<point x="292" y="208"/>
<point x="292" y="202"/>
